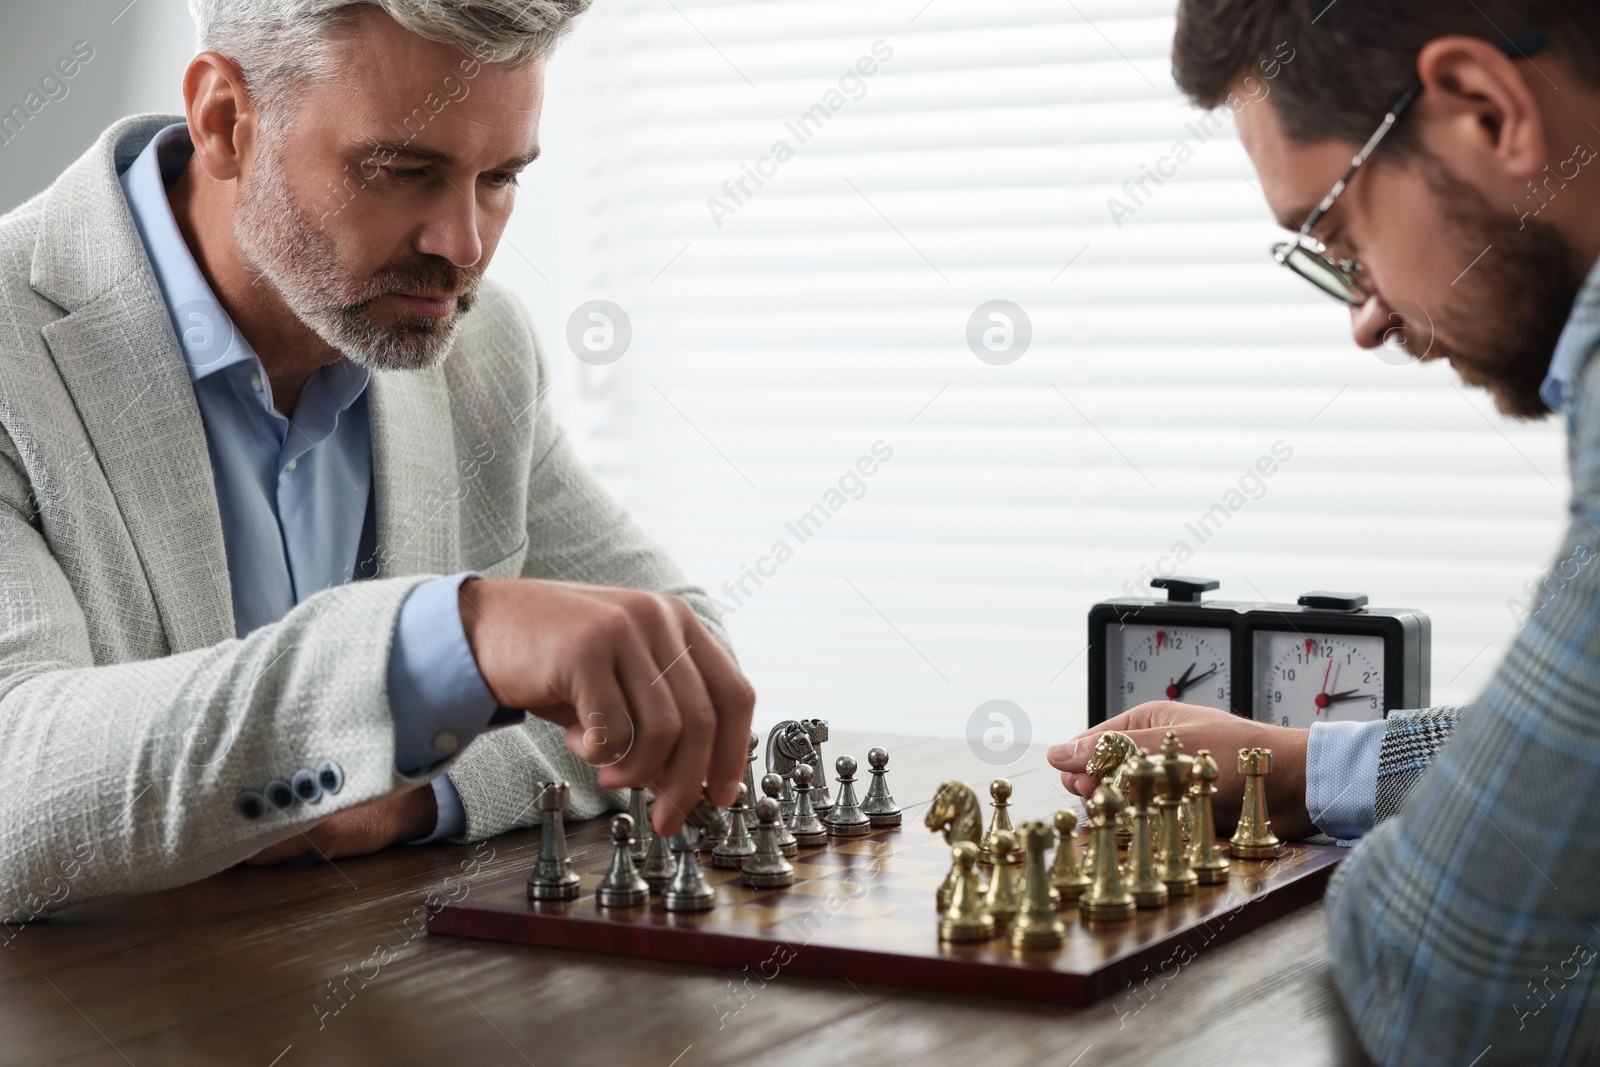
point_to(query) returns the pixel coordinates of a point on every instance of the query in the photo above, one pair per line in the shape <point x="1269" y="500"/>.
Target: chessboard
<point x="863" y="909"/>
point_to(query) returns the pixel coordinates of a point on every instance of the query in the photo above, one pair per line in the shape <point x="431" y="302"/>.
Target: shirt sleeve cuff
<point x="1342" y="776"/>
<point x="452" y="818"/>
<point x="438" y="699"/>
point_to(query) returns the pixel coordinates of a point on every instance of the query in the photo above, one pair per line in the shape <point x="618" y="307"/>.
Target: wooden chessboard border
<point x="1125" y="953"/>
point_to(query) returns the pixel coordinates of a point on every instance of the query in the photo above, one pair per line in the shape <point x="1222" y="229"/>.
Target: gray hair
<point x="281" y="44"/>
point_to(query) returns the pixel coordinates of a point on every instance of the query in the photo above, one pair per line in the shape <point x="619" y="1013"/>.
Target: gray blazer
<point x="131" y="718"/>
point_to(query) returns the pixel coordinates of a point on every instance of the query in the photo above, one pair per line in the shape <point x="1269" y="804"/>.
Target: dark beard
<point x="1509" y="308"/>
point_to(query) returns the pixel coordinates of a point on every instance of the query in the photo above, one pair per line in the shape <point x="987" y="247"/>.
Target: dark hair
<point x="1351" y="59"/>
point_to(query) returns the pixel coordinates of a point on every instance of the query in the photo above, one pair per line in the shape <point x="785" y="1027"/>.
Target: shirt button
<point x="255" y="380"/>
<point x="289" y="466"/>
<point x="445" y="741"/>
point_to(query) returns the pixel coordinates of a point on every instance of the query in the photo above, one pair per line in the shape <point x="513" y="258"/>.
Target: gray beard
<point x="296" y="257"/>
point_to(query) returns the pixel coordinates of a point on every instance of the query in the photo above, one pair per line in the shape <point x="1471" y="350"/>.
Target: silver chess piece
<point x="657" y="869"/>
<point x="639" y="812"/>
<point x="768" y="868"/>
<point x="821" y="798"/>
<point x="788" y="746"/>
<point x="772" y="785"/>
<point x="709" y="819"/>
<point x="845" y="818"/>
<point x="553" y="877"/>
<point x="879" y="805"/>
<point x="736" y="847"/>
<point x="750" y="781"/>
<point x="622" y="887"/>
<point x="807" y="828"/>
<point x="688" y="890"/>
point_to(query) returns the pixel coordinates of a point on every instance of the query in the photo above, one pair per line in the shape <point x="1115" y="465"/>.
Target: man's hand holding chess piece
<point x="1208" y="728"/>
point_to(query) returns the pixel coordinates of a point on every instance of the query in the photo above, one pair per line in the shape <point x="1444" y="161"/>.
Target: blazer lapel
<point x="413" y="474"/>
<point x="119" y="357"/>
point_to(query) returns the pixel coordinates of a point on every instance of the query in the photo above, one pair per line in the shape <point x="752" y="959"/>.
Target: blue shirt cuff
<point x="1342" y="776"/>
<point x="452" y="817"/>
<point x="438" y="699"/>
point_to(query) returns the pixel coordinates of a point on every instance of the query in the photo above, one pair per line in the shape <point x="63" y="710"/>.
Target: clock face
<point x="1189" y="664"/>
<point x="1305" y="678"/>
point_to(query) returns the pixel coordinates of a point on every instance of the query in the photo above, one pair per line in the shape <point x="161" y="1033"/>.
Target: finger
<point x="654" y="722"/>
<point x="684" y="777"/>
<point x="658" y="724"/>
<point x="733" y="702"/>
<point x="599" y="703"/>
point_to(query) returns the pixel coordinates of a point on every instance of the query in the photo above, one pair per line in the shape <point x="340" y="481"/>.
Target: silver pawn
<point x="772" y="785"/>
<point x="821" y="799"/>
<point x="768" y="868"/>
<point x="657" y="869"/>
<point x="553" y="877"/>
<point x="688" y="890"/>
<point x="750" y="781"/>
<point x="879" y="805"/>
<point x="735" y="848"/>
<point x="807" y="828"/>
<point x="639" y="812"/>
<point x="845" y="818"/>
<point x="708" y="818"/>
<point x="622" y="887"/>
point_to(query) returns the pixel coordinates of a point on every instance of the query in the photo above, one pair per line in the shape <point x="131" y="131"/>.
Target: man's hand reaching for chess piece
<point x="643" y="689"/>
<point x="1224" y="734"/>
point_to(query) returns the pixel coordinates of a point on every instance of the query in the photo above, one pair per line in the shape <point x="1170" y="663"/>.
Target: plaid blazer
<point x="1464" y="928"/>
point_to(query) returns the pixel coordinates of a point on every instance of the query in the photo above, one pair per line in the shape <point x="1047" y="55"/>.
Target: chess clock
<point x="1326" y="658"/>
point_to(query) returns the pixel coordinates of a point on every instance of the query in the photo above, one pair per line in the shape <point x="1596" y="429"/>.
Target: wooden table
<point x="236" y="970"/>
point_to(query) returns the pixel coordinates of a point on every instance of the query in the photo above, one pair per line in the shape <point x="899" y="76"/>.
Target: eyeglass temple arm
<point x="1522" y="45"/>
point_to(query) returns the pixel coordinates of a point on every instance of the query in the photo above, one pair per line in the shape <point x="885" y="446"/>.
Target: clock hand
<point x="1322" y="697"/>
<point x="1183" y="686"/>
<point x="1348" y="694"/>
<point x="1176" y="688"/>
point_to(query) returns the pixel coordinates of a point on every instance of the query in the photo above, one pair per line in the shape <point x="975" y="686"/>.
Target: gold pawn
<point x="1106" y="899"/>
<point x="1000" y="793"/>
<point x="1204" y="859"/>
<point x="1254" y="839"/>
<point x="1001" y="899"/>
<point x="1036" y="925"/>
<point x="965" y="919"/>
<point x="1148" y="890"/>
<point x="1066" y="875"/>
<point x="1173" y="785"/>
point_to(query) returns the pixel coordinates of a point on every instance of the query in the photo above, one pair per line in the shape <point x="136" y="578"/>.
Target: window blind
<point x="902" y="524"/>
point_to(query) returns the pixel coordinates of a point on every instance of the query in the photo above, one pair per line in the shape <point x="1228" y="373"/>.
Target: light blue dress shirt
<point x="1342" y="757"/>
<point x="295" y="495"/>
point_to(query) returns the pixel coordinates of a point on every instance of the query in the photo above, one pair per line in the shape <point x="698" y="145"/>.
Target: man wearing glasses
<point x="1429" y="157"/>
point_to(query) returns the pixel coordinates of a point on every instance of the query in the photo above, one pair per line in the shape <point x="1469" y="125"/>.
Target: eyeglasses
<point x="1307" y="256"/>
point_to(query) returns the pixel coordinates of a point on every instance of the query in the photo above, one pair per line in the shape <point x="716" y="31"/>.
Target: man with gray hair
<point x="290" y="541"/>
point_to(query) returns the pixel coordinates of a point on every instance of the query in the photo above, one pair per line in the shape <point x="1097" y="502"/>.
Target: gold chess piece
<point x="1254" y="839"/>
<point x="957" y="813"/>
<point x="1149" y="891"/>
<point x="1108" y="763"/>
<point x="1000" y="793"/>
<point x="1036" y="925"/>
<point x="1001" y="899"/>
<point x="1172" y="785"/>
<point x="1204" y="859"/>
<point x="965" y="919"/>
<point x="1106" y="899"/>
<point x="1066" y="875"/>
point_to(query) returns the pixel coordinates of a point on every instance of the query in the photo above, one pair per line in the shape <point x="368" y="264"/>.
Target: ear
<point x="1481" y="109"/>
<point x="221" y="116"/>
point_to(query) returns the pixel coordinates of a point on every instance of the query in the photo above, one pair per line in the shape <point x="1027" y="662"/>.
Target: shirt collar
<point x="206" y="334"/>
<point x="1581" y="333"/>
